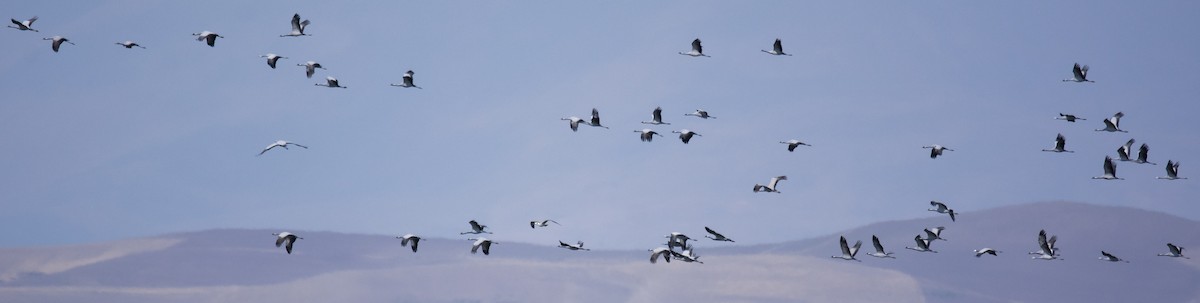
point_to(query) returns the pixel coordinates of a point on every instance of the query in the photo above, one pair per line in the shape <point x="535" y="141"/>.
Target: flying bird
<point x="271" y="59"/>
<point x="285" y="239"/>
<point x="777" y="49"/>
<point x="407" y="81"/>
<point x="1113" y="124"/>
<point x="879" y="253"/>
<point x="482" y="242"/>
<point x="409" y="238"/>
<point x="595" y="121"/>
<point x="770" y="187"/>
<point x="848" y="252"/>
<point x="130" y="44"/>
<point x="685" y="135"/>
<point x="716" y="236"/>
<point x="922" y="245"/>
<point x="574" y="122"/>
<point x="697" y="50"/>
<point x="1176" y="252"/>
<point x="577" y="246"/>
<point x="1124" y="151"/>
<point x="703" y="114"/>
<point x="297" y="27"/>
<point x="935" y="233"/>
<point x="941" y="208"/>
<point x="1069" y="118"/>
<point x="1046" y="245"/>
<point x="656" y="117"/>
<point x="677" y="239"/>
<point x="1060" y="145"/>
<point x="793" y="143"/>
<point x="936" y="150"/>
<point x="57" y="41"/>
<point x="1111" y="258"/>
<point x="985" y="250"/>
<point x="663" y="252"/>
<point x="476" y="229"/>
<point x="1143" y="154"/>
<point x="24" y="25"/>
<point x="310" y="67"/>
<point x="330" y="82"/>
<point x="1172" y="171"/>
<point x="208" y="37"/>
<point x="542" y="223"/>
<point x="1079" y="74"/>
<point x="1048" y="252"/>
<point x="647" y="134"/>
<point x="280" y="143"/>
<point x="1110" y="170"/>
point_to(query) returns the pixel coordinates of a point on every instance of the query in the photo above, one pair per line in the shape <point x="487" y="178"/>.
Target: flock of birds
<point x="677" y="246"/>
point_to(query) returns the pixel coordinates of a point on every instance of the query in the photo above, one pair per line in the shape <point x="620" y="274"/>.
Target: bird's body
<point x="1105" y="256"/>
<point x="272" y="59"/>
<point x="934" y="233"/>
<point x="879" y="253"/>
<point x="57" y="41"/>
<point x="208" y="37"/>
<point x="793" y="143"/>
<point x="285" y="239"/>
<point x="1068" y="117"/>
<point x="647" y="134"/>
<point x="663" y="252"/>
<point x="407" y="81"/>
<point x="656" y="117"/>
<point x="330" y="82"/>
<point x="280" y="143"/>
<point x="297" y="27"/>
<point x="483" y="243"/>
<point x="541" y="223"/>
<point x="1113" y="124"/>
<point x="716" y="236"/>
<point x="1060" y="145"/>
<point x="685" y="135"/>
<point x="1110" y="170"/>
<point x="409" y="240"/>
<point x="922" y="245"/>
<point x="703" y="114"/>
<point x="310" y="67"/>
<point x="697" y="50"/>
<point x="573" y="122"/>
<point x="770" y="187"/>
<point x="1175" y="251"/>
<point x="577" y="246"/>
<point x="1172" y="171"/>
<point x="24" y="25"/>
<point x="1078" y="74"/>
<point x="130" y="44"/>
<point x="777" y="49"/>
<point x="936" y="150"/>
<point x="985" y="250"/>
<point x="476" y="228"/>
<point x="1144" y="155"/>
<point x="941" y="208"/>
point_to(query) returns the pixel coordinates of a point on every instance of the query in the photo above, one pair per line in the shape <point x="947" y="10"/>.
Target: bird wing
<point x="875" y="242"/>
<point x="1174" y="249"/>
<point x="296" y="23"/>
<point x="775" y="181"/>
<point x="854" y="249"/>
<point x="921" y="242"/>
<point x="696" y="46"/>
<point x="656" y="116"/>
<point x="1116" y="118"/>
<point x="1109" y="167"/>
<point x="1143" y="152"/>
<point x="940" y="206"/>
<point x="714" y="233"/>
<point x="1108" y="255"/>
<point x="18" y="23"/>
<point x="845" y="247"/>
<point x="475" y="226"/>
<point x="487" y="246"/>
<point x="563" y="244"/>
<point x="475" y="247"/>
<point x="298" y="145"/>
<point x="1060" y="142"/>
<point x="1078" y="72"/>
<point x="415" y="240"/>
<point x="31" y="20"/>
<point x="778" y="46"/>
<point x="408" y="80"/>
<point x="595" y="117"/>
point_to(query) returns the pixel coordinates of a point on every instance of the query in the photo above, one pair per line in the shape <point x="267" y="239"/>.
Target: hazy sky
<point x="102" y="142"/>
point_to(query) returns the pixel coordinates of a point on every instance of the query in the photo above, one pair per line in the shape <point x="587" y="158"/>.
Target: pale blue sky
<point x="103" y="142"/>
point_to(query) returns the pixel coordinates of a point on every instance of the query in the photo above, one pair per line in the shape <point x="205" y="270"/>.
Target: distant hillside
<point x="244" y="266"/>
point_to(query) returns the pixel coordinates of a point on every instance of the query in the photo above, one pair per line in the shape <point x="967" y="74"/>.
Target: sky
<point x="105" y="143"/>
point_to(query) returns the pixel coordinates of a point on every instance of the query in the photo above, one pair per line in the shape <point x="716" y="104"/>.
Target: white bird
<point x="208" y="37"/>
<point x="656" y="117"/>
<point x="935" y="233"/>
<point x="1079" y="74"/>
<point x="297" y="27"/>
<point x="484" y="243"/>
<point x="409" y="238"/>
<point x="1110" y="170"/>
<point x="663" y="252"/>
<point x="1048" y="244"/>
<point x="985" y="250"/>
<point x="922" y="245"/>
<point x="700" y="113"/>
<point x="1113" y="124"/>
<point x="595" y="122"/>
<point x="24" y="25"/>
<point x="1111" y="258"/>
<point x="407" y="81"/>
<point x="793" y="143"/>
<point x="1069" y="118"/>
<point x="647" y="134"/>
<point x="578" y="246"/>
<point x="941" y="208"/>
<point x="1060" y="145"/>
<point x="777" y="49"/>
<point x="716" y="236"/>
<point x="285" y="239"/>
<point x="1172" y="171"/>
<point x="770" y="187"/>
<point x="280" y="143"/>
<point x="936" y="150"/>
<point x="848" y="252"/>
<point x="879" y="253"/>
<point x="574" y="122"/>
<point x="1176" y="252"/>
<point x="331" y="82"/>
<point x="1047" y="252"/>
<point x="130" y="44"/>
<point x="57" y="41"/>
<point x="271" y="59"/>
<point x="677" y="239"/>
<point x="697" y="50"/>
<point x="1143" y="155"/>
<point x="476" y="229"/>
<point x="1124" y="151"/>
<point x="542" y="223"/>
<point x="310" y="67"/>
<point x="687" y="255"/>
<point x="685" y="135"/>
